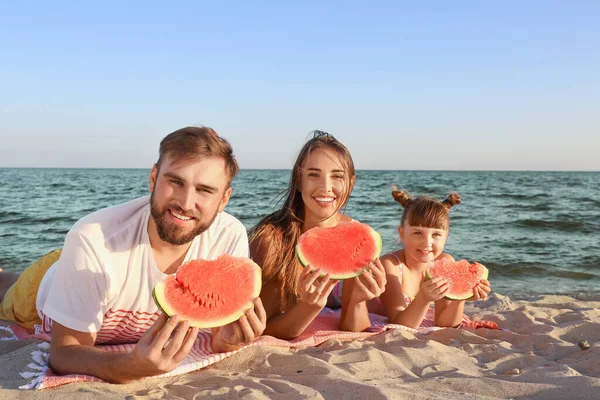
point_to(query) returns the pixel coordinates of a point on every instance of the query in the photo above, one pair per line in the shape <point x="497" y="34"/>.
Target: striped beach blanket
<point x="323" y="328"/>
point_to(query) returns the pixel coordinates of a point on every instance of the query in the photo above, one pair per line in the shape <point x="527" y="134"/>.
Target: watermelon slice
<point x="463" y="276"/>
<point x="343" y="251"/>
<point x="210" y="293"/>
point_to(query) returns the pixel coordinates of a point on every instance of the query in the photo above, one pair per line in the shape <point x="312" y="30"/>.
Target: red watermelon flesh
<point x="342" y="251"/>
<point x="210" y="293"/>
<point x="463" y="276"/>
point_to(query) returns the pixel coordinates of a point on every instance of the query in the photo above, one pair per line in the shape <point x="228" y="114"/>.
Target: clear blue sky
<point x="443" y="85"/>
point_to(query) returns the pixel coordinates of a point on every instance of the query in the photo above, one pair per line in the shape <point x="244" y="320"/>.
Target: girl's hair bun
<point x="452" y="200"/>
<point x="402" y="197"/>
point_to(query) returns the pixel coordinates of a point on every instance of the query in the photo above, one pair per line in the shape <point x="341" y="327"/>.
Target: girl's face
<point x="324" y="185"/>
<point x="421" y="244"/>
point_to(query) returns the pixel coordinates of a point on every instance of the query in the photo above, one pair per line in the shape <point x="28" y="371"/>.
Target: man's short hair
<point x="194" y="142"/>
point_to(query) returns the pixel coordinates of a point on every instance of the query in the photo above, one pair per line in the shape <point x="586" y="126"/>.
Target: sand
<point x="537" y="358"/>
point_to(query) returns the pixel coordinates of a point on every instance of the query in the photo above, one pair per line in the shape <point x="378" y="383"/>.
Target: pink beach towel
<point x="323" y="328"/>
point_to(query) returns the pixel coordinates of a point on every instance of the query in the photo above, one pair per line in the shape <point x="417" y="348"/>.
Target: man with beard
<point x="100" y="289"/>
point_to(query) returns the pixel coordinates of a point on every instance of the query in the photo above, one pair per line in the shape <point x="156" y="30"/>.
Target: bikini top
<point x="407" y="299"/>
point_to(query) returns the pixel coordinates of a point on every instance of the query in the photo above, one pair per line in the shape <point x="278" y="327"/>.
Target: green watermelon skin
<point x="343" y="251"/>
<point x="212" y="293"/>
<point x="463" y="276"/>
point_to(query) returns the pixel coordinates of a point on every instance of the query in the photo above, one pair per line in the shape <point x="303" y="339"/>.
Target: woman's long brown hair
<point x="282" y="228"/>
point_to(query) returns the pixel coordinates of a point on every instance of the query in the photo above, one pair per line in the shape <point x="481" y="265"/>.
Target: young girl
<point x="321" y="181"/>
<point x="423" y="230"/>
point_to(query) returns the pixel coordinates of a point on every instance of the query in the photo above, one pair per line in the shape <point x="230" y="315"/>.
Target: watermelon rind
<point x="304" y="260"/>
<point x="158" y="294"/>
<point x="466" y="295"/>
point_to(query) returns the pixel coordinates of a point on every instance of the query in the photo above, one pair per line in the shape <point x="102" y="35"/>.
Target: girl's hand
<point x="481" y="291"/>
<point x="370" y="284"/>
<point x="313" y="289"/>
<point x="434" y="288"/>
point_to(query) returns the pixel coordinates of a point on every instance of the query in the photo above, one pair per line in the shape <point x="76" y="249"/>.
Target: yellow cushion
<point x="19" y="301"/>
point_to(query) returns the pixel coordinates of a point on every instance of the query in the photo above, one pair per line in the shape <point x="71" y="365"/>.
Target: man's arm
<point x="73" y="352"/>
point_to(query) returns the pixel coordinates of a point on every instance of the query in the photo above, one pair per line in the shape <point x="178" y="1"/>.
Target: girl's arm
<point x="355" y="294"/>
<point x="448" y="313"/>
<point x="393" y="298"/>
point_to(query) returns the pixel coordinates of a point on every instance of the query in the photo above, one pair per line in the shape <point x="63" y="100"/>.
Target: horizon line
<point x="362" y="169"/>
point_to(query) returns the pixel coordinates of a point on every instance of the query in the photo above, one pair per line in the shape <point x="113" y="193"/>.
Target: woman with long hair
<point x="320" y="184"/>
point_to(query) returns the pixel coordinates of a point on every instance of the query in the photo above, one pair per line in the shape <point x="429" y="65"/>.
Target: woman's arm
<point x="312" y="298"/>
<point x="355" y="294"/>
<point x="269" y="294"/>
<point x="291" y="323"/>
<point x="355" y="315"/>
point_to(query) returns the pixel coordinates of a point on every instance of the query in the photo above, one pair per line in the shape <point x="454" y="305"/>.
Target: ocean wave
<point x="590" y="263"/>
<point x="371" y="203"/>
<point x="531" y="246"/>
<point x="8" y="214"/>
<point x="526" y="196"/>
<point x="563" y="225"/>
<point x="54" y="230"/>
<point x="50" y="220"/>
<point x="536" y="269"/>
<point x="23" y="219"/>
<point x="8" y="262"/>
<point x="528" y="207"/>
<point x="590" y="201"/>
<point x="20" y="219"/>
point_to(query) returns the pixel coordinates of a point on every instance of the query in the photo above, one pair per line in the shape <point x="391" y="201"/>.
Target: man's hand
<point x="162" y="348"/>
<point x="159" y="350"/>
<point x="241" y="332"/>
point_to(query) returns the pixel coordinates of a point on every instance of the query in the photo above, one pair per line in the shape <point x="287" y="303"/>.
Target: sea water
<point x="537" y="232"/>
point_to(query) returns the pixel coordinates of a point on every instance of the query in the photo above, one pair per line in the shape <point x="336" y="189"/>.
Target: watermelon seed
<point x="206" y="300"/>
<point x="356" y="250"/>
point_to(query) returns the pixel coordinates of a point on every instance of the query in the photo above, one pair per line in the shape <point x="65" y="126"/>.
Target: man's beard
<point x="171" y="233"/>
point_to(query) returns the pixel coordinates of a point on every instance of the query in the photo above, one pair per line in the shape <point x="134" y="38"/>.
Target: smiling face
<point x="422" y="245"/>
<point x="186" y="197"/>
<point x="324" y="185"/>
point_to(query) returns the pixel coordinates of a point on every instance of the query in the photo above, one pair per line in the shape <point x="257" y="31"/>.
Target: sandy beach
<point x="539" y="356"/>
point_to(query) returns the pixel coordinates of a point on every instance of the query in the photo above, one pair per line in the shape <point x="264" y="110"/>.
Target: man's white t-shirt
<point x="104" y="278"/>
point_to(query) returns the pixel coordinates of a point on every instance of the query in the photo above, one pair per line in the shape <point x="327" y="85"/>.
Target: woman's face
<point x="324" y="184"/>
